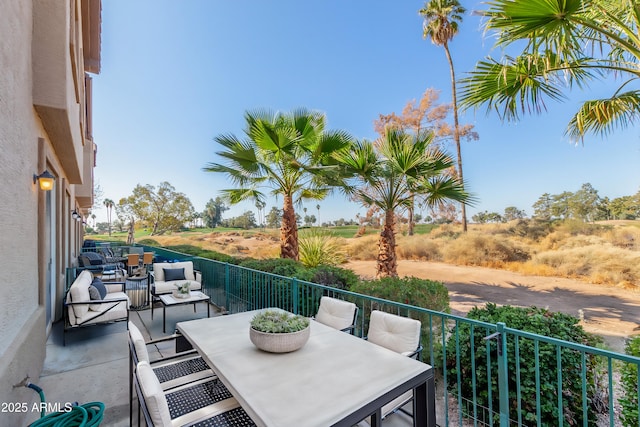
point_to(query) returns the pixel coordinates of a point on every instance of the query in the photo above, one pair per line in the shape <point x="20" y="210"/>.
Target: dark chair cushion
<point x="102" y="289"/>
<point x="173" y="274"/>
<point x="94" y="258"/>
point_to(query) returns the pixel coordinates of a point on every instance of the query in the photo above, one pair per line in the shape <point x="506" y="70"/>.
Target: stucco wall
<point x="22" y="323"/>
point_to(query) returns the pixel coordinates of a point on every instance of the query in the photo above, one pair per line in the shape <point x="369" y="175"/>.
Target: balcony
<point x="95" y="367"/>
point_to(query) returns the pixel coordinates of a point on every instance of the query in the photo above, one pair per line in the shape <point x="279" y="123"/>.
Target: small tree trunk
<point x="410" y="211"/>
<point x="288" y="230"/>
<point x="387" y="264"/>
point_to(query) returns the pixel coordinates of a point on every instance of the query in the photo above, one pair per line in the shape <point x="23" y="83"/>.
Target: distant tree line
<point x="584" y="204"/>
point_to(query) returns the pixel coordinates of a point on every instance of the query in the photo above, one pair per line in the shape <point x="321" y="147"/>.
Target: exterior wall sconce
<point x="75" y="215"/>
<point x="45" y="180"/>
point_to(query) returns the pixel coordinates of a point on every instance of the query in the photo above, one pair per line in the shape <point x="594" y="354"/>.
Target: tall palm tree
<point x="318" y="208"/>
<point x="441" y="19"/>
<point x="108" y="203"/>
<point x="290" y="154"/>
<point x="567" y="43"/>
<point x="389" y="172"/>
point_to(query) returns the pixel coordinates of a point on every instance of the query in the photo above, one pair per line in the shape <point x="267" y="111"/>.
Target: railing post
<point x="294" y="289"/>
<point x="227" y="281"/>
<point x="503" y="375"/>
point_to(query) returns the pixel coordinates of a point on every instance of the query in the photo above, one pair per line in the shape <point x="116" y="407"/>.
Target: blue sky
<point x="177" y="73"/>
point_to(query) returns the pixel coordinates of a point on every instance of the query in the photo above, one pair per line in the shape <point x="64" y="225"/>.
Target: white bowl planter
<point x="178" y="294"/>
<point x="279" y="342"/>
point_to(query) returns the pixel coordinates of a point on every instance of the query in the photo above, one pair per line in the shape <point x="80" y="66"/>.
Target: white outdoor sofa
<point x="81" y="310"/>
<point x="180" y="272"/>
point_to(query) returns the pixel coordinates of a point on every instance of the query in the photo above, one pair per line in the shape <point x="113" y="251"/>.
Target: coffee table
<point x="168" y="300"/>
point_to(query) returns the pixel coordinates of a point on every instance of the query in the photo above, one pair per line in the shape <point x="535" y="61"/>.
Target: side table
<point x="137" y="289"/>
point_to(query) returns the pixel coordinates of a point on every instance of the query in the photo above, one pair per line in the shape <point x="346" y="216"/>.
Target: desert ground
<point x="610" y="312"/>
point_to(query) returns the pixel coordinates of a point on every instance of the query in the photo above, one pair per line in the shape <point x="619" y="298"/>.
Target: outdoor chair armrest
<point x="163" y="339"/>
<point x="97" y="301"/>
<point x="414" y="354"/>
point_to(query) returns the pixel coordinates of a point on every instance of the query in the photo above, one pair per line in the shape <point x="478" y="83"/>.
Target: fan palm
<point x="290" y="154"/>
<point x="568" y="43"/>
<point x="388" y="172"/>
<point x="108" y="203"/>
<point x="441" y="19"/>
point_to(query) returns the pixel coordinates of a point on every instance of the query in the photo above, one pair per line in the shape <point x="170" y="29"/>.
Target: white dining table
<point x="336" y="379"/>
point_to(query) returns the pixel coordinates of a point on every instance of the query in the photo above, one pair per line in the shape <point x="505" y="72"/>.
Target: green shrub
<point x="407" y="290"/>
<point x="203" y="253"/>
<point x="541" y="322"/>
<point x="629" y="400"/>
<point x="280" y="266"/>
<point x="148" y="242"/>
<point x="336" y="277"/>
<point x="320" y="248"/>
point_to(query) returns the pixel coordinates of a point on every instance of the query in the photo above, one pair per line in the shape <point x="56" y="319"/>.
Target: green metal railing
<point x="519" y="367"/>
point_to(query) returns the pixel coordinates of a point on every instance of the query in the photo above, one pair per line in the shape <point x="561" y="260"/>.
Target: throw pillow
<point x="93" y="293"/>
<point x="173" y="274"/>
<point x="102" y="289"/>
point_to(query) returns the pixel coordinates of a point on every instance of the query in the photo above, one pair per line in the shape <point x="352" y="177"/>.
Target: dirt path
<point x="611" y="312"/>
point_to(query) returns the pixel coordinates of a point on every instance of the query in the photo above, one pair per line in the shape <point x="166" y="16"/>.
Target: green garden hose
<point x="86" y="415"/>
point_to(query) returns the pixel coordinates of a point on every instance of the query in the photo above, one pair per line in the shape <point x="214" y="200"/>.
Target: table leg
<point x="208" y="308"/>
<point x="376" y="418"/>
<point x="424" y="409"/>
<point x="164" y="318"/>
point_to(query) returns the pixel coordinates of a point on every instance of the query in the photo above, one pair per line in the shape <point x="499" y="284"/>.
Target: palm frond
<point x="602" y="116"/>
<point x="511" y="88"/>
<point x="237" y="195"/>
<point x="441" y="188"/>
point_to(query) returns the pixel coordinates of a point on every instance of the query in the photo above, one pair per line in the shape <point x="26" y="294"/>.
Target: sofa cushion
<point x="159" y="267"/>
<point x="163" y="287"/>
<point x="94" y="258"/>
<point x="173" y="274"/>
<point x="94" y="294"/>
<point x="80" y="292"/>
<point x="97" y="283"/>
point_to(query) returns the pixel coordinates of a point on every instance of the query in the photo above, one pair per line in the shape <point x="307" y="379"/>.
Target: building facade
<point x="48" y="50"/>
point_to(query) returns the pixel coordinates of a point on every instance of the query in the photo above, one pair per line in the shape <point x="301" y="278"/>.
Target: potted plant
<point x="183" y="290"/>
<point x="278" y="331"/>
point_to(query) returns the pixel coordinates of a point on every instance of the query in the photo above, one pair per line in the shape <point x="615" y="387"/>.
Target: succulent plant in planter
<point x="278" y="331"/>
<point x="182" y="290"/>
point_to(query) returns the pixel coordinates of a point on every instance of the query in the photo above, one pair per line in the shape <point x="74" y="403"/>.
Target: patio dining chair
<point x="172" y="371"/>
<point x="338" y="314"/>
<point x="399" y="334"/>
<point x="133" y="263"/>
<point x="205" y="403"/>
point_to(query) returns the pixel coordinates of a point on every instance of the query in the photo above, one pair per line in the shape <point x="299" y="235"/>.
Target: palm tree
<point x="389" y="171"/>
<point x="441" y="18"/>
<point x="568" y="43"/>
<point x="318" y="208"/>
<point x="108" y="203"/>
<point x="291" y="154"/>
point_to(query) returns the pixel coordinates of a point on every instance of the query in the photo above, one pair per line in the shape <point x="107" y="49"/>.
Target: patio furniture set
<point x="222" y="379"/>
<point x="336" y="379"/>
<point x="96" y="298"/>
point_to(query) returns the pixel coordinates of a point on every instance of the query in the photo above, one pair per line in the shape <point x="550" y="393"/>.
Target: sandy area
<point x="611" y="312"/>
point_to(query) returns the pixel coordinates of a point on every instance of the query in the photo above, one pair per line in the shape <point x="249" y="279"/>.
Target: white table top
<point x="194" y="296"/>
<point x="334" y="375"/>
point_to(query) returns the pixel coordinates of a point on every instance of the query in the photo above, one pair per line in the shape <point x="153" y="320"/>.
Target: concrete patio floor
<point x="94" y="364"/>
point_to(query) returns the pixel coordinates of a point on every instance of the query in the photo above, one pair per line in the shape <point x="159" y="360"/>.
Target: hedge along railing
<point x="499" y="355"/>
